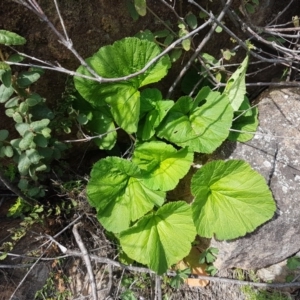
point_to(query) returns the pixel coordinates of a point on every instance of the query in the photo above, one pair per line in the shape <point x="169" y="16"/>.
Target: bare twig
<point x="86" y="258"/>
<point x="199" y="48"/>
<point x="146" y="270"/>
<point x="16" y="190"/>
<point x="95" y="76"/>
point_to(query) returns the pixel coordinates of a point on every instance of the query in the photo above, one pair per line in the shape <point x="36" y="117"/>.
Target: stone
<point x="274" y="153"/>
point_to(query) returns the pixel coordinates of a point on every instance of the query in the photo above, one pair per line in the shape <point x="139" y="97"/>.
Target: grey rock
<point x="274" y="153"/>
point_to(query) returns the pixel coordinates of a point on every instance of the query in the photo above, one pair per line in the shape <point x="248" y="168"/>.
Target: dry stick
<point x="68" y="45"/>
<point x="199" y="48"/>
<point x="281" y="60"/>
<point x="174" y="11"/>
<point x="85" y="256"/>
<point x="146" y="270"/>
<point x="89" y="138"/>
<point x="281" y="13"/>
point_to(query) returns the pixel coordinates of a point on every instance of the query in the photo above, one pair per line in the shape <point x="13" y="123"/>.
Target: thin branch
<point x="199" y="48"/>
<point x="89" y="138"/>
<point x="68" y="45"/>
<point x="86" y="258"/>
<point x="16" y="190"/>
<point x="172" y="274"/>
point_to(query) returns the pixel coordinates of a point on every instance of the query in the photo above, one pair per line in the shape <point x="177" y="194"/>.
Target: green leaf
<point x="101" y="123"/>
<point x="186" y="44"/>
<point x="250" y="8"/>
<point x="38" y="126"/>
<point x="141" y="7"/>
<point x="145" y="35"/>
<point x="26" y="141"/>
<point x="163" y="164"/>
<point x="9" y="38"/>
<point x="8" y="151"/>
<point x="46" y="132"/>
<point x="236" y="85"/>
<point x="17" y="117"/>
<point x="203" y="128"/>
<point x="153" y="110"/>
<point x="117" y="191"/>
<point x="3" y="134"/>
<point x="34" y="99"/>
<point x="218" y="29"/>
<point x="33" y="156"/>
<point x="40" y="140"/>
<point x="231" y="199"/>
<point x="16" y="58"/>
<point x="175" y="55"/>
<point x="191" y="20"/>
<point x="25" y="79"/>
<point x="132" y="11"/>
<point x="5" y="93"/>
<point x="6" y="77"/>
<point x="161" y="239"/>
<point x="293" y="263"/>
<point x="22" y="128"/>
<point x="123" y="58"/>
<point x="246" y="120"/>
<point x="23" y="108"/>
<point x="13" y="102"/>
<point x="24" y="164"/>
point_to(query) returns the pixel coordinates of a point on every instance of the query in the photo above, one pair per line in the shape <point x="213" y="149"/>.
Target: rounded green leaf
<point x="25" y="79"/>
<point x="201" y="128"/>
<point x="161" y="239"/>
<point x="26" y="141"/>
<point x="17" y="117"/>
<point x="33" y="156"/>
<point x="40" y="140"/>
<point x="123" y="58"/>
<point x="24" y="164"/>
<point x="141" y="7"/>
<point x="6" y="78"/>
<point x="22" y="128"/>
<point x="34" y="99"/>
<point x="9" y="38"/>
<point x="163" y="164"/>
<point x="3" y="134"/>
<point x="23" y="108"/>
<point x="191" y="19"/>
<point x="13" y="102"/>
<point x="38" y="126"/>
<point x="231" y="199"/>
<point x="5" y="93"/>
<point x="8" y="151"/>
<point x="118" y="193"/>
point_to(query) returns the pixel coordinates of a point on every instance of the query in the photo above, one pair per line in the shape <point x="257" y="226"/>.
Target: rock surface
<point x="274" y="153"/>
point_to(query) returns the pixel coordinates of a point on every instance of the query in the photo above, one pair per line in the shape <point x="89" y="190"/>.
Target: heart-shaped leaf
<point x="123" y="58"/>
<point x="231" y="199"/>
<point x="164" y="165"/>
<point x="161" y="239"/>
<point x="117" y="191"/>
<point x="201" y="128"/>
